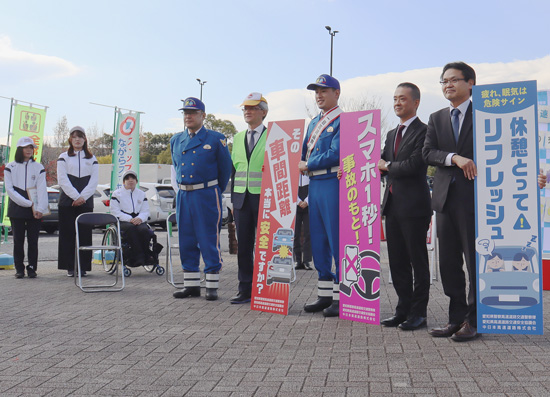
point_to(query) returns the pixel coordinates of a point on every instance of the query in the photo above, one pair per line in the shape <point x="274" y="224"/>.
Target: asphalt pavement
<point x="58" y="341"/>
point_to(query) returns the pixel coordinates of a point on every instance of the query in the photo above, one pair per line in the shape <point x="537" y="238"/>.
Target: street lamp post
<point x="332" y="34"/>
<point x="201" y="84"/>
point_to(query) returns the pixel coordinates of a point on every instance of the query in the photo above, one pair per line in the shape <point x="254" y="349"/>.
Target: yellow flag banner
<point x="27" y="121"/>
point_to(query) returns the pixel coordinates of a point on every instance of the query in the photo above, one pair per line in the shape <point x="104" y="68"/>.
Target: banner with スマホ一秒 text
<point x="360" y="216"/>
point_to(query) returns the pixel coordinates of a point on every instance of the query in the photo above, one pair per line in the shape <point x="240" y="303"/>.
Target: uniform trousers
<point x="32" y="228"/>
<point x="324" y="225"/>
<point x="138" y="236"/>
<point x="199" y="215"/>
<point x="67" y="239"/>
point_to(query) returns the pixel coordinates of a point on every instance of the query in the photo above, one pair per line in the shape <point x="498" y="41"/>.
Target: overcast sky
<point x="147" y="55"/>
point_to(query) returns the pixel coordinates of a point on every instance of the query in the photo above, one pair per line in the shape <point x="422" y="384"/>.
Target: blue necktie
<point x="454" y="120"/>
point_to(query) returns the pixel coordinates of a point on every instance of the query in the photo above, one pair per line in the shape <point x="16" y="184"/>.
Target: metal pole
<point x="331" y="44"/>
<point x="6" y="160"/>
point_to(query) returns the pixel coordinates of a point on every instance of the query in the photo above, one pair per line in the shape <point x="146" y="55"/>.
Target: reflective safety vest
<point x="248" y="173"/>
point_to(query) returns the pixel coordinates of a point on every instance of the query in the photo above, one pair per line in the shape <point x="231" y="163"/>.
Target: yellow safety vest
<point x="248" y="173"/>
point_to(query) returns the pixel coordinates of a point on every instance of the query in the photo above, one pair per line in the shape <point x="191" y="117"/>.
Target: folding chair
<point x="92" y="219"/>
<point x="171" y="243"/>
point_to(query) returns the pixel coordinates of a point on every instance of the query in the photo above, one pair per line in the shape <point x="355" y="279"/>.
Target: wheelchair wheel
<point x="127" y="272"/>
<point x="159" y="270"/>
<point x="109" y="258"/>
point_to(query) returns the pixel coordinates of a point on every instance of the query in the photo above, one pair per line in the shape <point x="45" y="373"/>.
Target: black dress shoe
<point x="307" y="266"/>
<point x="299" y="266"/>
<point x="393" y="321"/>
<point x="413" y="323"/>
<point x="320" y="304"/>
<point x="19" y="275"/>
<point x="240" y="298"/>
<point x="211" y="294"/>
<point x="187" y="292"/>
<point x="70" y="273"/>
<point x="445" y="332"/>
<point x="465" y="333"/>
<point x="31" y="272"/>
<point x="333" y="310"/>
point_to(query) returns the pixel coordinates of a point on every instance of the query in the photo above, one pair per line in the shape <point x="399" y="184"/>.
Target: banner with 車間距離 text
<point x="273" y="256"/>
<point x="508" y="245"/>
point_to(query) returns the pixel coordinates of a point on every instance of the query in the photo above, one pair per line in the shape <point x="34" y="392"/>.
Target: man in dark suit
<point x="449" y="146"/>
<point x="246" y="185"/>
<point x="406" y="206"/>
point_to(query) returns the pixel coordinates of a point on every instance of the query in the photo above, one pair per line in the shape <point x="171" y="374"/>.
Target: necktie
<point x="191" y="134"/>
<point x="454" y="120"/>
<point x="250" y="141"/>
<point x="398" y="139"/>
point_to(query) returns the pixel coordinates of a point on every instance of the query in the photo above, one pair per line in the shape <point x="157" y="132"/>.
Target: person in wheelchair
<point x="131" y="208"/>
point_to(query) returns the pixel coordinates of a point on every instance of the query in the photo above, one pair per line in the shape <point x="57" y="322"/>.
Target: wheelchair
<point x="110" y="258"/>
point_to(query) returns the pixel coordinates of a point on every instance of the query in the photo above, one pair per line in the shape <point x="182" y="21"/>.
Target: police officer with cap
<point x="248" y="160"/>
<point x="202" y="165"/>
<point x="320" y="161"/>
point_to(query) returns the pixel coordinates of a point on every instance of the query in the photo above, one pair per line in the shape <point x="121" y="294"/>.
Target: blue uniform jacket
<point x="326" y="153"/>
<point x="201" y="159"/>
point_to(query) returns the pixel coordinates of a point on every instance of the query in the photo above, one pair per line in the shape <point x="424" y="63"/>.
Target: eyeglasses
<point x="451" y="81"/>
<point x="251" y="108"/>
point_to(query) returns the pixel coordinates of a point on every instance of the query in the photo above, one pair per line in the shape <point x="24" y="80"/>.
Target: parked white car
<point x="102" y="197"/>
<point x="161" y="201"/>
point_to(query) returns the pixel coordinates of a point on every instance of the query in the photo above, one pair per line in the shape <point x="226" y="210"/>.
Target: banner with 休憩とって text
<point x="508" y="246"/>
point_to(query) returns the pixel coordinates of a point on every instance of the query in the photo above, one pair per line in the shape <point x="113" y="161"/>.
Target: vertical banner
<point x="27" y="121"/>
<point x="360" y="216"/>
<point x="544" y="159"/>
<point x="507" y="208"/>
<point x="125" y="147"/>
<point x="273" y="257"/>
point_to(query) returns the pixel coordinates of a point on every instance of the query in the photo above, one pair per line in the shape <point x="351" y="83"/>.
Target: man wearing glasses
<point x="248" y="160"/>
<point x="449" y="146"/>
<point x="201" y="168"/>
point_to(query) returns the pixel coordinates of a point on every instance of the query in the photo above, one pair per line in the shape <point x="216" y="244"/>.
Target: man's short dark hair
<point x="520" y="255"/>
<point x="414" y="90"/>
<point x="494" y="254"/>
<point x="467" y="71"/>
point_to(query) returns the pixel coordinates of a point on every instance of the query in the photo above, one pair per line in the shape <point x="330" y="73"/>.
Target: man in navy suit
<point x="449" y="146"/>
<point x="406" y="206"/>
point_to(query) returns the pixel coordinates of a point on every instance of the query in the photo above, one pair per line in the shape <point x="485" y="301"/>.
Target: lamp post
<point x="201" y="84"/>
<point x="332" y="34"/>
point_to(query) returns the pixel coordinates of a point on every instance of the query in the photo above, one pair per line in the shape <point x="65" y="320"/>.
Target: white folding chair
<point x="91" y="219"/>
<point x="172" y="242"/>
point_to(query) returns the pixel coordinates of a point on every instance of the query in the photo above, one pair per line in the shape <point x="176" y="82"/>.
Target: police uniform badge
<point x="224" y="142"/>
<point x="330" y="129"/>
<point x="207" y="146"/>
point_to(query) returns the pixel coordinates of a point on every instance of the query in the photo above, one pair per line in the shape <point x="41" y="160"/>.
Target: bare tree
<point x="61" y="133"/>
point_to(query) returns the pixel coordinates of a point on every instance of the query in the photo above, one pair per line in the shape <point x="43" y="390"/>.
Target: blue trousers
<point x="199" y="215"/>
<point x="324" y="226"/>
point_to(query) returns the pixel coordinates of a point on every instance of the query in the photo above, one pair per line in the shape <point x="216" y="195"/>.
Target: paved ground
<point x="58" y="341"/>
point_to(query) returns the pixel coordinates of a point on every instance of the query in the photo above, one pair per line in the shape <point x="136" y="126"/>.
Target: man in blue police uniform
<point x="320" y="160"/>
<point x="202" y="166"/>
